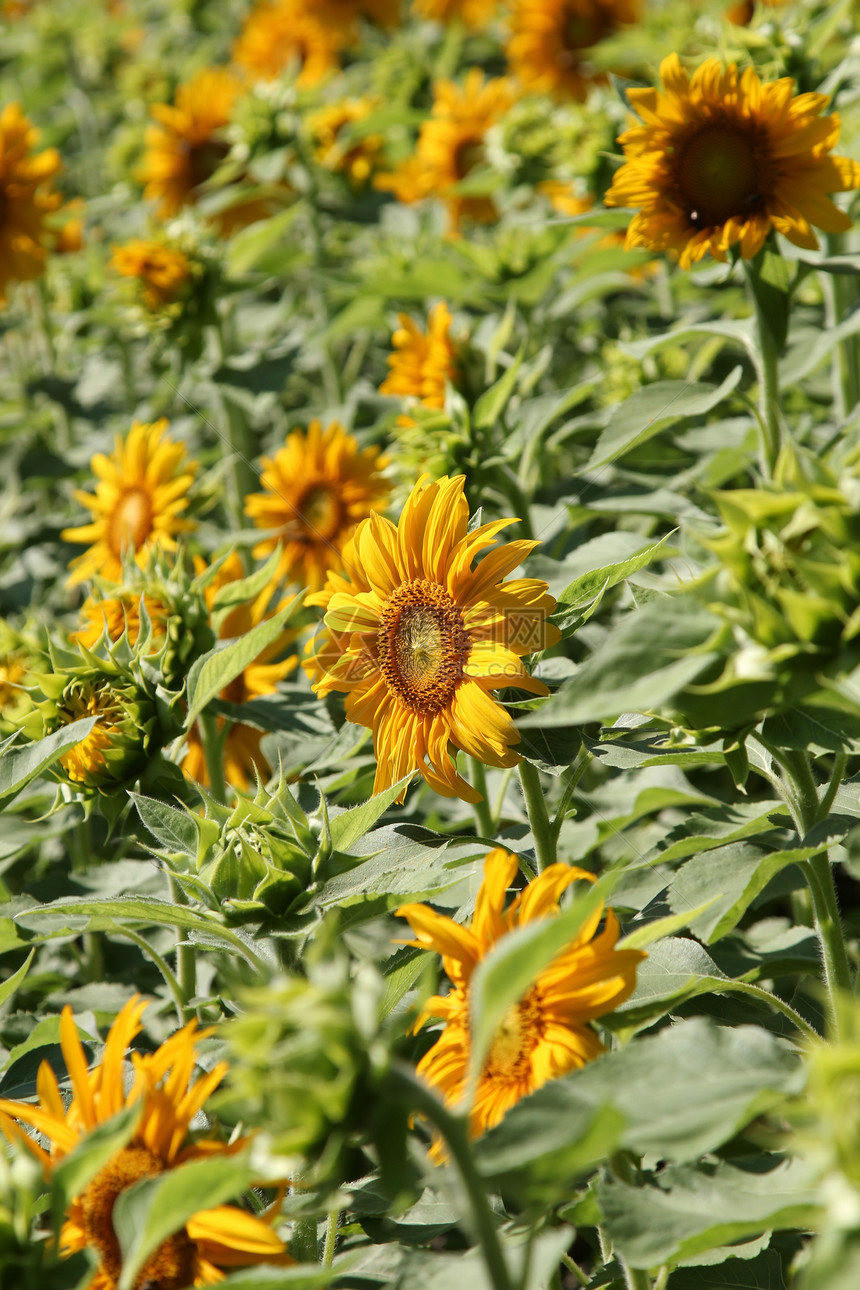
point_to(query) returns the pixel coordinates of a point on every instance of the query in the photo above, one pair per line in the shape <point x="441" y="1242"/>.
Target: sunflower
<point x="25" y="199"/>
<point x="550" y="40"/>
<point x="474" y="13"/>
<point x="451" y="145"/>
<point x="118" y="614"/>
<point x="547" y="1033"/>
<point x="721" y="159"/>
<point x="742" y="14"/>
<point x="187" y="145"/>
<point x="343" y="13"/>
<point x="278" y="33"/>
<point x="141" y="491"/>
<point x="337" y="148"/>
<point x="417" y="638"/>
<point x="317" y="488"/>
<point x="162" y="1087"/>
<point x="241" y="752"/>
<point x="423" y="362"/>
<point x="162" y="271"/>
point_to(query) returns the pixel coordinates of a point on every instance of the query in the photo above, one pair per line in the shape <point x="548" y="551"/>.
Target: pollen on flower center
<point x="516" y="1036"/>
<point x="422" y="645"/>
<point x="719" y="174"/>
<point x="171" y="1267"/>
<point x="131" y="523"/>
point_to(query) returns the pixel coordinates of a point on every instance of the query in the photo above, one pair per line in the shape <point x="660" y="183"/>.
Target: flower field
<point x="429" y="644"/>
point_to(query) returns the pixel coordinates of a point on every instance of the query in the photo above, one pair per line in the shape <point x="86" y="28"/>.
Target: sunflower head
<point x="164" y="273"/>
<point x="26" y="199"/>
<point x="168" y="1098"/>
<point x="137" y="507"/>
<point x="282" y="34"/>
<point x="548" y="1032"/>
<point x="417" y="638"/>
<point x="339" y="146"/>
<point x="21" y="655"/>
<point x="551" y="41"/>
<point x="719" y="160"/>
<point x="423" y="363"/>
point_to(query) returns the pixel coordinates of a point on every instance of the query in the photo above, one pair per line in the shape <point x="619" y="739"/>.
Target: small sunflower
<point x="214" y="1239"/>
<point x="278" y="33"/>
<point x="187" y="145"/>
<point x="162" y="271"/>
<point x="317" y="489"/>
<point x="241" y="753"/>
<point x="141" y="492"/>
<point x="451" y="145"/>
<point x="550" y="42"/>
<point x="722" y="159"/>
<point x="742" y="14"/>
<point x="26" y="199"/>
<point x="474" y="13"/>
<point x="548" y="1032"/>
<point x="423" y="362"/>
<point x="336" y="149"/>
<point x="418" y="639"/>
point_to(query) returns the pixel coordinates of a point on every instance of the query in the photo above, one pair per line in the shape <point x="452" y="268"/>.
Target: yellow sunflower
<point x="342" y="13"/>
<point x="214" y="1239"/>
<point x="162" y="271"/>
<point x="547" y="1033"/>
<point x="423" y="362"/>
<point x="118" y="614"/>
<point x="550" y="41"/>
<point x="278" y="33"/>
<point x="474" y="13"/>
<point x="187" y="145"/>
<point x="418" y="639"/>
<point x="317" y="488"/>
<point x="358" y="157"/>
<point x="451" y="145"/>
<point x="141" y="492"/>
<point x="26" y="199"/>
<point x="722" y="159"/>
<point x="241" y="753"/>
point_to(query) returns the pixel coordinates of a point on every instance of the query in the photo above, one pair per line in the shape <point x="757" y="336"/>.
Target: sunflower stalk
<point x="481" y="809"/>
<point x="841" y="294"/>
<point x="212" y="740"/>
<point x="770" y="323"/>
<point x="186" y="954"/>
<point x="237" y="436"/>
<point x="542" y="830"/>
<point x="332" y="1224"/>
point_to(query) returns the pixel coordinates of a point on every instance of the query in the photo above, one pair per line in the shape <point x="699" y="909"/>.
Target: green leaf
<point x="95" y="1149"/>
<point x="243" y="590"/>
<point x="687" y="1209"/>
<point x="742" y="333"/>
<point x="250" y="244"/>
<point x="10" y="985"/>
<point x="348" y="826"/>
<point x="493" y="401"/>
<point x="676" y="969"/>
<point x="304" y="1276"/>
<point x="145" y="1215"/>
<point x="503" y="977"/>
<point x="662" y="927"/>
<point x="18" y="766"/>
<point x="174" y="829"/>
<point x="215" y="670"/>
<point x="716" y="826"/>
<point x="769" y="278"/>
<point x="587" y="585"/>
<point x="761" y="1273"/>
<point x="652" y="408"/>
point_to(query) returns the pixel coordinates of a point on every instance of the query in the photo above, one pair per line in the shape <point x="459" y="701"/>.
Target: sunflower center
<point x="514" y="1041"/>
<point x="580" y="31"/>
<point x="171" y="1267"/>
<point x="719" y="175"/>
<point x="468" y="155"/>
<point x="422" y="645"/>
<point x="320" y="513"/>
<point x="131" y="522"/>
<point x="204" y="159"/>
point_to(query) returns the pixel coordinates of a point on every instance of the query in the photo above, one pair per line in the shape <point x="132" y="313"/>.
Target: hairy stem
<point x="542" y="830"/>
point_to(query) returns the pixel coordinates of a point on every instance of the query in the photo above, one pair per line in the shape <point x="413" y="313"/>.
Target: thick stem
<point x="212" y="740"/>
<point x="330" y="1237"/>
<point x="768" y="375"/>
<point x="575" y="1269"/>
<point x="542" y="830"/>
<point x="186" y="955"/>
<point x="483" y="815"/>
<point x="840" y="294"/>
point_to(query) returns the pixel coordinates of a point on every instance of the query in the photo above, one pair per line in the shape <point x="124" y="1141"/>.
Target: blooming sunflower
<point x="162" y="271"/>
<point x="418" y="639"/>
<point x="280" y="32"/>
<point x="474" y="13"/>
<point x="241" y="753"/>
<point x="423" y="362"/>
<point x="141" y="492"/>
<point x="317" y="488"/>
<point x="451" y="145"/>
<point x="547" y="1033"/>
<point x="550" y="40"/>
<point x="25" y="199"/>
<point x="162" y="1086"/>
<point x="336" y="149"/>
<point x="722" y="159"/>
<point x="187" y="146"/>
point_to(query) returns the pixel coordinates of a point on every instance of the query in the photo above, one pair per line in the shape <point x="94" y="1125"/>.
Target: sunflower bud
<point x="20" y="655"/>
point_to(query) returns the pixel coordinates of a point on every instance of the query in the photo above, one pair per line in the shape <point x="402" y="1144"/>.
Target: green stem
<point x="839" y="763"/>
<point x="579" y="768"/>
<point x="331" y="1227"/>
<point x="662" y="1278"/>
<point x="483" y="815"/>
<point x="635" y="1278"/>
<point x="238" y="436"/>
<point x="499" y="804"/>
<point x="453" y="1129"/>
<point x="212" y="740"/>
<point x="773" y="1001"/>
<point x="542" y="830"/>
<point x="94" y="959"/>
<point x="768" y="375"/>
<point x="163" y="967"/>
<point x="840" y="294"/>
<point x="575" y="1269"/>
<point x="186" y="954"/>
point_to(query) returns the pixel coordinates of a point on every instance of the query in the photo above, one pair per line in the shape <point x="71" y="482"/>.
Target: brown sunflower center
<point x="514" y="1041"/>
<point x="422" y="645"/>
<point x="131" y="522"/>
<point x="204" y="159"/>
<point x="719" y="174"/>
<point x="171" y="1267"/>
<point x="468" y="155"/>
<point x="320" y="513"/>
<point x="582" y="30"/>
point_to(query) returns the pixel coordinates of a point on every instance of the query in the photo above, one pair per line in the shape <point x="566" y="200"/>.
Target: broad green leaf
<point x="18" y="766"/>
<point x="742" y="333"/>
<point x="145" y="1215"/>
<point x="809" y="349"/>
<point x="10" y="985"/>
<point x="174" y="829"/>
<point x="250" y="244"/>
<point x="493" y="401"/>
<point x="653" y="408"/>
<point x="244" y="590"/>
<point x="215" y="670"/>
<point x="587" y="585"/>
<point x="687" y="1209"/>
<point x="304" y="1276"/>
<point x="662" y="927"/>
<point x="348" y="826"/>
<point x="675" y="970"/>
<point x="715" y="826"/>
<point x="95" y="1149"/>
<point x="764" y="1272"/>
<point x="400" y="974"/>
